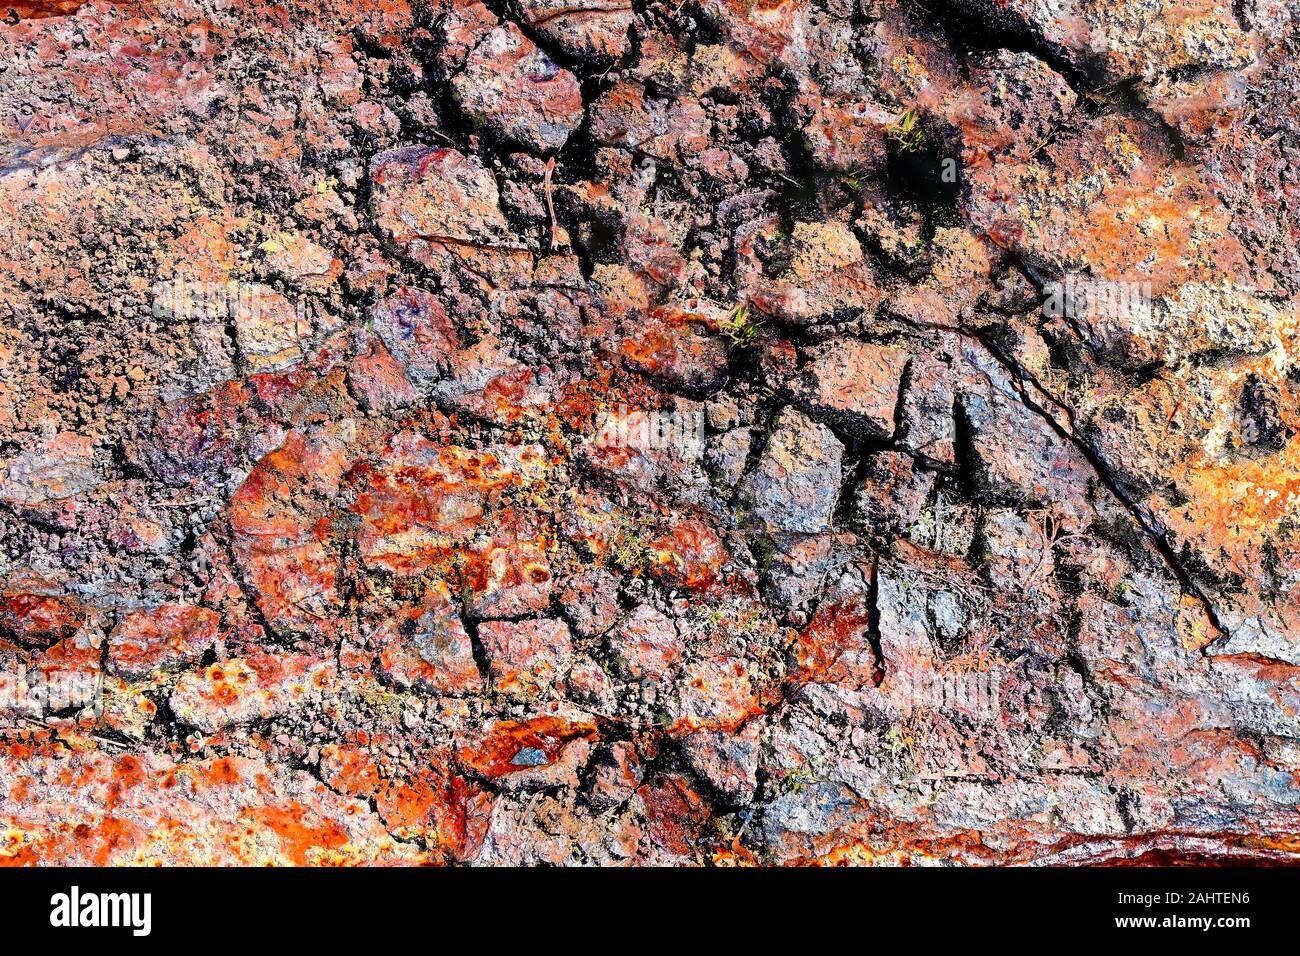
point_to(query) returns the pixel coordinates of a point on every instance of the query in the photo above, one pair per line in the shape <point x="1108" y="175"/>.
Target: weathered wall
<point x="580" y="431"/>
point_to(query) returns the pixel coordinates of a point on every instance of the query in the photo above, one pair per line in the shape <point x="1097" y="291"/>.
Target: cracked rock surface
<point x="599" y="432"/>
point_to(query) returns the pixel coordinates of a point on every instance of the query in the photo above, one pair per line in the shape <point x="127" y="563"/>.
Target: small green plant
<point x="898" y="741"/>
<point x="631" y="551"/>
<point x="740" y="327"/>
<point x="797" y="780"/>
<point x="922" y="529"/>
<point x="907" y="133"/>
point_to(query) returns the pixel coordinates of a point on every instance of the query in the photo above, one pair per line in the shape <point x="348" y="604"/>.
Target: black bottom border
<point x="300" y="907"/>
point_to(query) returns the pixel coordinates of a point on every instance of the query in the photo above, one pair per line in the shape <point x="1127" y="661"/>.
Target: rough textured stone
<point x="727" y="761"/>
<point x="525" y="657"/>
<point x="594" y="30"/>
<point x="590" y="602"/>
<point x="419" y="192"/>
<point x="854" y="385"/>
<point x="515" y="90"/>
<point x="796" y="483"/>
<point x="645" y="645"/>
<point x="165" y="638"/>
<point x="581" y="432"/>
<point x="426" y="648"/>
<point x="827" y="277"/>
<point x="240" y="690"/>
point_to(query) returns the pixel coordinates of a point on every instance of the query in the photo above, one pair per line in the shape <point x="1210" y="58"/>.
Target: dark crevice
<point x="873" y="621"/>
<point x="1102" y="469"/>
<point x="972" y="27"/>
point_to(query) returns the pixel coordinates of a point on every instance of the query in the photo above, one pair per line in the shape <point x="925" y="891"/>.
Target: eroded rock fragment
<point x="427" y="649"/>
<point x="854" y="385"/>
<point x="518" y="93"/>
<point x="168" y="637"/>
<point x="796" y="483"/>
<point x="525" y="657"/>
<point x="728" y="761"/>
<point x="595" y="30"/>
<point x="421" y="191"/>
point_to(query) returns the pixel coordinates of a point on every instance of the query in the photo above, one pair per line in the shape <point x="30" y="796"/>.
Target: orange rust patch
<point x="39" y="618"/>
<point x="494" y="756"/>
<point x="444" y="810"/>
<point x="690" y="555"/>
<point x="349" y="770"/>
<point x="37" y="9"/>
<point x="823" y="651"/>
<point x="298" y="841"/>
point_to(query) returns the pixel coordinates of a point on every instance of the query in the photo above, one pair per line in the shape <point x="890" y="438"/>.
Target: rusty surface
<point x="795" y="432"/>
